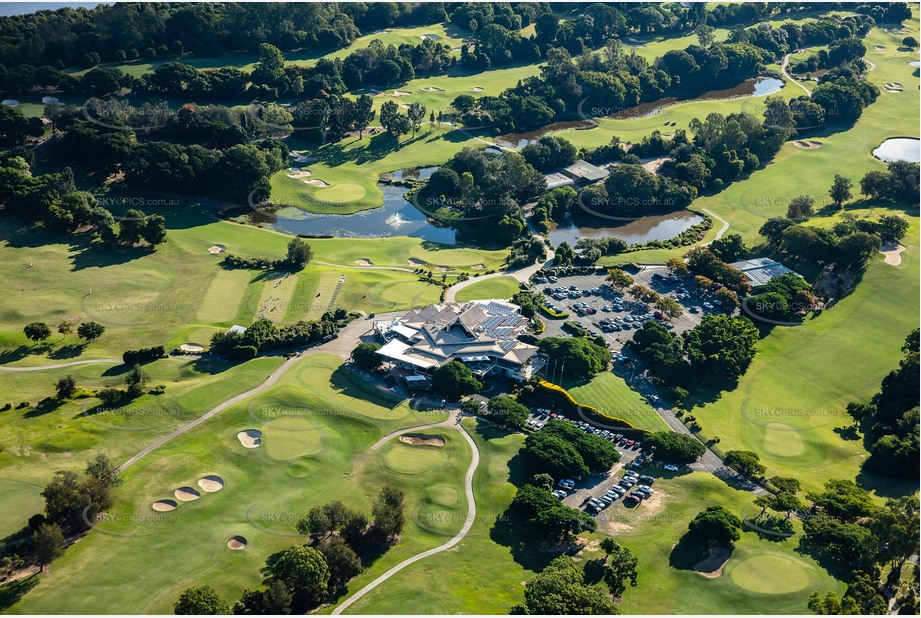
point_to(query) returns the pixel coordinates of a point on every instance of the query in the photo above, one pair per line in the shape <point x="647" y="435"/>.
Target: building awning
<point x="396" y="350"/>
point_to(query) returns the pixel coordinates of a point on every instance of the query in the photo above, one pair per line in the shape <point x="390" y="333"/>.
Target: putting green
<point x="291" y="437"/>
<point x="406" y="459"/>
<point x="20" y="502"/>
<point x="783" y="440"/>
<point x="343" y="192"/>
<point x="770" y="575"/>
<point x="443" y="495"/>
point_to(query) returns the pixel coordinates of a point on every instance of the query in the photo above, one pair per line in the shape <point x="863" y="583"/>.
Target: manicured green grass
<point x="502" y="288"/>
<point x="226" y="285"/>
<point x="762" y="576"/>
<point x="614" y="397"/>
<point x="413" y="459"/>
<point x="261" y="500"/>
<point x="20" y="501"/>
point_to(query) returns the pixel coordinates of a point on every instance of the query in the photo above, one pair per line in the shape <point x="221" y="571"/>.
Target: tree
<point x="47" y="544"/>
<point x="564" y="254"/>
<point x="553" y="455"/>
<point x="643" y="294"/>
<point x="910" y="42"/>
<point x="840" y="191"/>
<point x="304" y="571"/>
<point x="416" y="115"/>
<point x="705" y="35"/>
<point x="745" y="463"/>
<point x="785" y="484"/>
<point x="715" y="525"/>
<point x="729" y="248"/>
<point x="130" y="228"/>
<point x="387" y="514"/>
<point x="676" y="266"/>
<point x="65" y="328"/>
<point x="669" y="306"/>
<point x="620" y="567"/>
<point x="201" y="601"/>
<point x="674" y="447"/>
<point x="577" y="356"/>
<point x="103" y="470"/>
<point x="90" y="331"/>
<point x="274" y="600"/>
<point x="843" y="499"/>
<point x="455" y="379"/>
<point x="507" y="412"/>
<point x="619" y="279"/>
<point x="721" y="347"/>
<point x="65" y="388"/>
<point x="896" y="527"/>
<point x="37" y="331"/>
<point x="362" y="113"/>
<point x="800" y="208"/>
<point x="392" y="120"/>
<point x="365" y="356"/>
<point x="154" y="230"/>
<point x="559" y="589"/>
<point x="342" y="560"/>
<point x="831" y="605"/>
<point x="299" y="254"/>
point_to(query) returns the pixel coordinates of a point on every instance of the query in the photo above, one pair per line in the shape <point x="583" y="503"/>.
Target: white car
<point x="670" y="467"/>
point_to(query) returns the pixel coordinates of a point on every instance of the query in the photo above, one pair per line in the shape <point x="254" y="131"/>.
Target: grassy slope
<point x="261" y="500"/>
<point x="614" y="397"/>
<point x="502" y="288"/>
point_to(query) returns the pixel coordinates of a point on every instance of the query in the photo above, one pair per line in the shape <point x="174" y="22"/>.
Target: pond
<point x="655" y="227"/>
<point x="396" y="217"/>
<point x="899" y="149"/>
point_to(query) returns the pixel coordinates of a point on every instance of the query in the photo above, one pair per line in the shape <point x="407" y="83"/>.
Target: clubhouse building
<point x="760" y="271"/>
<point x="482" y="334"/>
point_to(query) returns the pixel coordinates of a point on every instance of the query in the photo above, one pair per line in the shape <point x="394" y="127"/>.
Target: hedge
<point x="553" y="314"/>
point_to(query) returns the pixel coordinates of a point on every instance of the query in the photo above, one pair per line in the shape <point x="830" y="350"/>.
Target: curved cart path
<point x="107" y="361"/>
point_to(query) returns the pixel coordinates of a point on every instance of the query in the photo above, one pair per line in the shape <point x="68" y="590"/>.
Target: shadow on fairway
<point x="71" y="350"/>
<point x="686" y="553"/>
<point x="12" y="593"/>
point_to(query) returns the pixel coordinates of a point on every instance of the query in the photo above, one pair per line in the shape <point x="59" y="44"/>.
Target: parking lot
<point x="614" y="315"/>
<point x="597" y="492"/>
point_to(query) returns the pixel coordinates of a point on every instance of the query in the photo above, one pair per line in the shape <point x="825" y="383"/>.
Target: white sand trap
<point x="186" y="494"/>
<point x="431" y="89"/>
<point x="317" y="183"/>
<point x="441" y="269"/>
<point x="416" y="263"/>
<point x="10" y="102"/>
<point x="402" y="93"/>
<point x="807" y="144"/>
<point x="377" y="93"/>
<point x="478" y="267"/>
<point x="893" y="86"/>
<point x="215" y="249"/>
<point x="301" y="158"/>
<point x="879" y="47"/>
<point x="237" y="543"/>
<point x="893" y="253"/>
<point x="211" y="483"/>
<point x="164" y="505"/>
<point x="712" y="565"/>
<point x="434" y="37"/>
<point x="191" y="347"/>
<point x="477" y="89"/>
<point x="364" y="262"/>
<point x="47" y="100"/>
<point x="404" y="106"/>
<point x="297" y="172"/>
<point x="250" y="438"/>
<point x="422" y="440"/>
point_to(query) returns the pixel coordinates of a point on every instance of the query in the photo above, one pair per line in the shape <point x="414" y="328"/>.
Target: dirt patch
<point x="402" y="93"/>
<point x="477" y="89"/>
<point x="653" y="166"/>
<point x="236" y="542"/>
<point x="186" y="494"/>
<point x="364" y="262"/>
<point x="893" y="253"/>
<point x="191" y="348"/>
<point x="431" y="89"/>
<point x="616" y="527"/>
<point x="592" y="546"/>
<point x="215" y="249"/>
<point x="211" y="483"/>
<point x="712" y="565"/>
<point x="164" y="505"/>
<point x="250" y="438"/>
<point x="416" y="263"/>
<point x="422" y="440"/>
<point x="807" y="144"/>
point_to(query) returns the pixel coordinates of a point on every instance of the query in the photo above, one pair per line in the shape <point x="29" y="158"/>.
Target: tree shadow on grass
<point x="348" y="384"/>
<point x="15" y="354"/>
<point x="847" y="432"/>
<point x="687" y="553"/>
<point x="12" y="593"/>
<point x="71" y="350"/>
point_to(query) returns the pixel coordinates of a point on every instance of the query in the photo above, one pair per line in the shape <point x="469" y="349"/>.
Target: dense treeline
<point x="264" y="336"/>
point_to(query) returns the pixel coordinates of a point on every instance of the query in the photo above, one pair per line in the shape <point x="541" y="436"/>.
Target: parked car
<point x="631" y="473"/>
<point x="631" y="499"/>
<point x="552" y="279"/>
<point x="559" y="494"/>
<point x="648" y="480"/>
<point x="566" y="484"/>
<point x="670" y="467"/>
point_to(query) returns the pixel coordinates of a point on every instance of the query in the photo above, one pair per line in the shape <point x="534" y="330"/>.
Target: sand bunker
<point x="404" y="106"/>
<point x="421" y="440"/>
<point x="250" y="438"/>
<point x="402" y="93"/>
<point x="186" y="494"/>
<point x="441" y="269"/>
<point x="893" y="253"/>
<point x="211" y="483"/>
<point x="416" y="263"/>
<point x="300" y="158"/>
<point x="377" y="93"/>
<point x="237" y="542"/>
<point x="164" y="505"/>
<point x="478" y="267"/>
<point x="10" y="102"/>
<point x="712" y="565"/>
<point x="364" y="262"/>
<point x="431" y="89"/>
<point x="215" y="249"/>
<point x="477" y="89"/>
<point x="434" y="37"/>
<point x="807" y="144"/>
<point x="296" y="172"/>
<point x="192" y="348"/>
<point x="879" y="47"/>
<point x="892" y="87"/>
<point x="317" y="183"/>
<point x="47" y="100"/>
